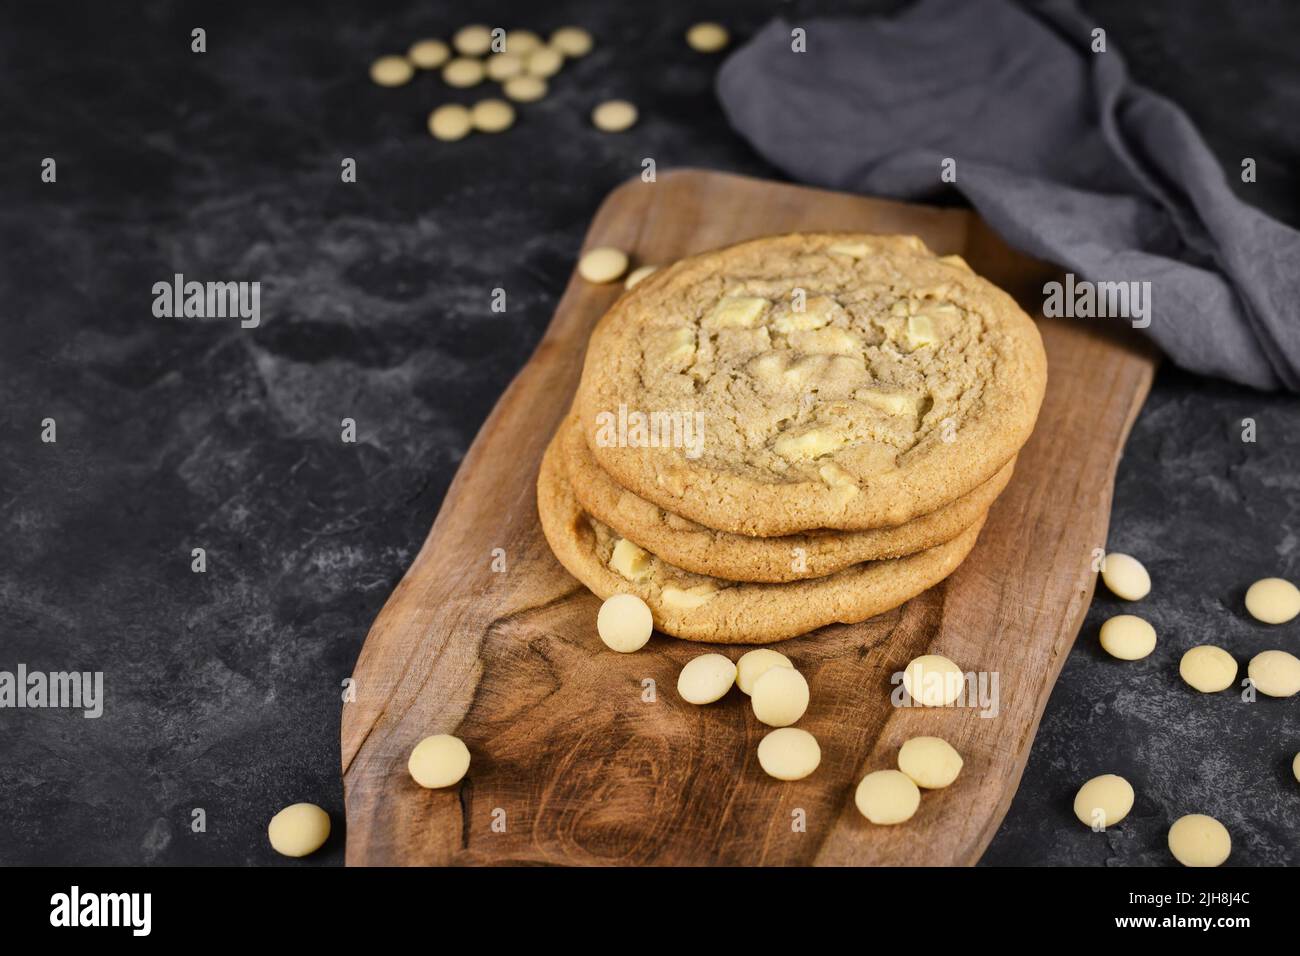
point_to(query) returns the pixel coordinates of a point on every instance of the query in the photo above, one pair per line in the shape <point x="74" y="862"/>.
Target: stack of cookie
<point x="790" y="432"/>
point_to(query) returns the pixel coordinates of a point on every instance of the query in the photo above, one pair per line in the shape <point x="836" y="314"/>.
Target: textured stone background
<point x="223" y="688"/>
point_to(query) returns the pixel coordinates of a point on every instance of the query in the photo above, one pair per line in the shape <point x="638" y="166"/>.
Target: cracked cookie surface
<point x="702" y="608"/>
<point x="827" y="380"/>
<point x="694" y="547"/>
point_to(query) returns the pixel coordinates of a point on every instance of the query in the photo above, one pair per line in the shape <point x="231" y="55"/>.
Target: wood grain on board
<point x="571" y="766"/>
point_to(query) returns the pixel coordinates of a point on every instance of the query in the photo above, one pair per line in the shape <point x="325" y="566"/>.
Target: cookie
<point x="807" y="381"/>
<point x="701" y="608"/>
<point x="720" y="554"/>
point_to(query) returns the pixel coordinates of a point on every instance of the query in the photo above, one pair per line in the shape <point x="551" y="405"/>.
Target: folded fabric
<point x="1055" y="145"/>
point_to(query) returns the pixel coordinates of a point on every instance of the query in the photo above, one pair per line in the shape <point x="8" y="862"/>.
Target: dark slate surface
<point x="223" y="688"/>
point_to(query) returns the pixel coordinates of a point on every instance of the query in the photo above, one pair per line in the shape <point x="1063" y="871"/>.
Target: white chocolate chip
<point x="492" y="116"/>
<point x="428" y="54"/>
<point x="473" y="40"/>
<point x="1273" y="601"/>
<point x="931" y="762"/>
<point x="1295" y="767"/>
<point x="525" y="89"/>
<point x="789" y="753"/>
<point x="544" y="62"/>
<point x="754" y="664"/>
<point x="602" y="264"/>
<point x="705" y="679"/>
<point x="958" y="261"/>
<point x="1128" y="637"/>
<point x="299" y="829"/>
<point x="1198" y="840"/>
<point x="1275" y="673"/>
<point x="450" y="123"/>
<point x="572" y="41"/>
<point x="463" y="72"/>
<point x="1208" y="669"/>
<point x="438" y="761"/>
<point x="707" y="37"/>
<point x="886" y="797"/>
<point x="933" y="680"/>
<point x="614" y="116"/>
<point x="504" y="66"/>
<point x="1125" y="576"/>
<point x="624" y="623"/>
<point x="637" y="274"/>
<point x="1103" y="801"/>
<point x="522" y="42"/>
<point x="391" y="71"/>
<point x="779" y="696"/>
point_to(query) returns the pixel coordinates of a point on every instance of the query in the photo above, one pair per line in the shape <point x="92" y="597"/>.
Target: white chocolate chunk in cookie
<point x="629" y="560"/>
<point x="891" y="403"/>
<point x="807" y="445"/>
<point x="802" y="371"/>
<point x="958" y="261"/>
<point x="920" y="332"/>
<point x="818" y="311"/>
<point x="672" y="346"/>
<point x="767" y="368"/>
<point x="836" y="477"/>
<point x="855" y="250"/>
<point x="736" y="312"/>
<point x="687" y="599"/>
<point x="826" y="342"/>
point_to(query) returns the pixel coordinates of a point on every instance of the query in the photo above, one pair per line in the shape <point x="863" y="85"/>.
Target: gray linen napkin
<point x="1055" y="146"/>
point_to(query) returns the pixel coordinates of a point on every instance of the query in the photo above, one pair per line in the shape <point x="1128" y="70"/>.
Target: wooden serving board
<point x="572" y="765"/>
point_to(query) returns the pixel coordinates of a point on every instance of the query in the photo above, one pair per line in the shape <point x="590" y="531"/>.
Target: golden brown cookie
<point x="720" y="554"/>
<point x="808" y="381"/>
<point x="700" y="608"/>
